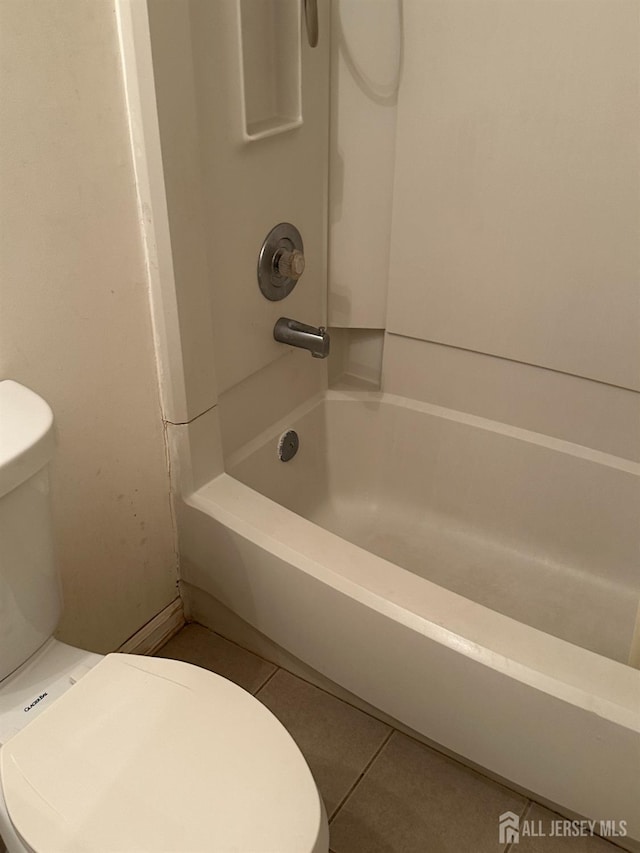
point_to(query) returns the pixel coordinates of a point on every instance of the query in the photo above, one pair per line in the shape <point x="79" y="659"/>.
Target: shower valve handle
<point x="289" y="264"/>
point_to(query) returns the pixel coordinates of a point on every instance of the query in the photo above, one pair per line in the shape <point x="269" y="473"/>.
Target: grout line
<point x="234" y="643"/>
<point x="610" y="840"/>
<point x="246" y="651"/>
<point x="311" y="683"/>
<point x="267" y="679"/>
<point x="364" y="772"/>
<point x="525" y="811"/>
<point x="527" y="808"/>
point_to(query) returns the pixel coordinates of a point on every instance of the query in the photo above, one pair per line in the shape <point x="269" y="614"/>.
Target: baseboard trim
<point x="157" y="631"/>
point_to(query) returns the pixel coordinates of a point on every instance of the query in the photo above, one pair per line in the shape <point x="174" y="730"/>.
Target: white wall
<point x="74" y="312"/>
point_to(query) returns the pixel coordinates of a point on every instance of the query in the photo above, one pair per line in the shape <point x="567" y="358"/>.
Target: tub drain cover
<point x="288" y="445"/>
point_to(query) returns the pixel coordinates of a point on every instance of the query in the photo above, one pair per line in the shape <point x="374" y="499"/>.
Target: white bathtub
<point x="475" y="581"/>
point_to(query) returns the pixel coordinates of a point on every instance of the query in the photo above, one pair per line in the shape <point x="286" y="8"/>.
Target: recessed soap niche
<point x="270" y="66"/>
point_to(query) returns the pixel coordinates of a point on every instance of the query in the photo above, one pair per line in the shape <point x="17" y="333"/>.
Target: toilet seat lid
<point x="148" y="754"/>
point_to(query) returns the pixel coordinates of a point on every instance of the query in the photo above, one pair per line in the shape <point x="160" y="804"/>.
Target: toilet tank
<point x="30" y="601"/>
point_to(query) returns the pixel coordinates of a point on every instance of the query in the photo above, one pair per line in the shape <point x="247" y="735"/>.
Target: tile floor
<point x="384" y="792"/>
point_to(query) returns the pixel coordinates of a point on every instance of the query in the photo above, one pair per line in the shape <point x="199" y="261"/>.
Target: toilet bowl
<point x="128" y="753"/>
<point x="122" y="753"/>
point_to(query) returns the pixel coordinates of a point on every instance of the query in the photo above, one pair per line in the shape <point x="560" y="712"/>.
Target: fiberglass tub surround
<point x="537" y="529"/>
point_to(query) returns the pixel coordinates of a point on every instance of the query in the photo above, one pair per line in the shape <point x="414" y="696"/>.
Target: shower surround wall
<point x="366" y="61"/>
<point x="513" y="263"/>
<point x="224" y="194"/>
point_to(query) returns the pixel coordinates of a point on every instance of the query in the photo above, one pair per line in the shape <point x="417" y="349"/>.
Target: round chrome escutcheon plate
<point x="284" y="238"/>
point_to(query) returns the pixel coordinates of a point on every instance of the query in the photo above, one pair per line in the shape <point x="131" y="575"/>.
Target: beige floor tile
<point x="202" y="647"/>
<point x="336" y="739"/>
<point x="541" y="820"/>
<point x="415" y="800"/>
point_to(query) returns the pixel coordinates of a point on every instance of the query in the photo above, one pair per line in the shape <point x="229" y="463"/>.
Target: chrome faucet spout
<point x="296" y="334"/>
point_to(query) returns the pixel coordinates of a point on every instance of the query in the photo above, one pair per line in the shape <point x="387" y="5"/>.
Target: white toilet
<point x="122" y="753"/>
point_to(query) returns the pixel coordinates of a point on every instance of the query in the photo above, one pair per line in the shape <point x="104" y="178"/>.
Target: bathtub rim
<point x="383" y="398"/>
<point x="583" y="678"/>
